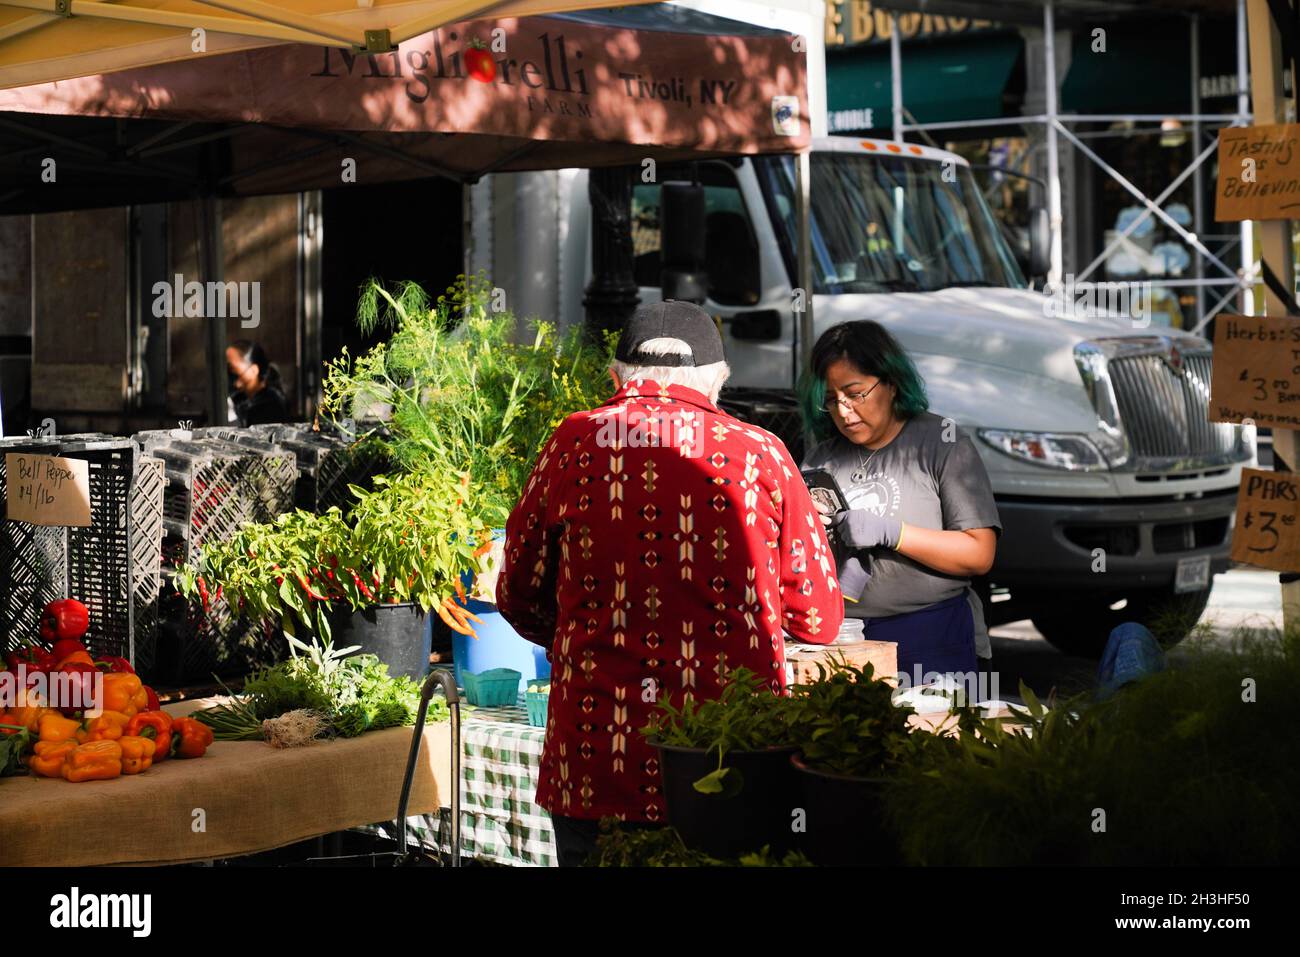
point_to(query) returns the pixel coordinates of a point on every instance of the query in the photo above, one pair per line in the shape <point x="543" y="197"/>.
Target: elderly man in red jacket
<point x="659" y="544"/>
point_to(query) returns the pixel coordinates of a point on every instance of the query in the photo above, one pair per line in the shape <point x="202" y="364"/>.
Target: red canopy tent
<point x="589" y="89"/>
<point x="585" y="89"/>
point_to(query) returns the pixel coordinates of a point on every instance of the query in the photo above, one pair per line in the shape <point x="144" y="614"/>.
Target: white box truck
<point x="1116" y="493"/>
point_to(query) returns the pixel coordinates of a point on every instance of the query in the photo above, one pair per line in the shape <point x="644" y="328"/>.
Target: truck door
<point x="748" y="291"/>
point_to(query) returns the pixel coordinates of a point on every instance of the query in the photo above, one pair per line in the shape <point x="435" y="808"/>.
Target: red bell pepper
<point x="72" y="683"/>
<point x="33" y="656"/>
<point x="152" y="697"/>
<point x="67" y="647"/>
<point x="190" y="738"/>
<point x="66" y="618"/>
<point x="114" y="665"/>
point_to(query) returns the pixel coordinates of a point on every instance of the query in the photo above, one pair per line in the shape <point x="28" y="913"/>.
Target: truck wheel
<point x="1081" y="625"/>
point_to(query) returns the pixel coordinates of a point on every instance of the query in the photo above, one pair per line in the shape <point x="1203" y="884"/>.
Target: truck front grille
<point x="1164" y="410"/>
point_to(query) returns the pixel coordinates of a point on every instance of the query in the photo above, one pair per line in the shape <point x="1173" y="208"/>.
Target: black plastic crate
<point x="194" y="644"/>
<point x="214" y="487"/>
<point x="775" y="410"/>
<point x="95" y="564"/>
<point x="146" y="555"/>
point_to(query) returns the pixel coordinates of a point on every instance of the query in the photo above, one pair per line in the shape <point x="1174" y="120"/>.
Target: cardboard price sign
<point x="1256" y="371"/>
<point x="1259" y="173"/>
<point x="45" y="490"/>
<point x="1267" y="532"/>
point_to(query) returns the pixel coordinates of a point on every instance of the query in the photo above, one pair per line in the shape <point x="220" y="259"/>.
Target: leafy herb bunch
<point x="847" y="723"/>
<point x="354" y="694"/>
<point x="663" y="847"/>
<point x="746" y="716"/>
<point x="452" y="387"/>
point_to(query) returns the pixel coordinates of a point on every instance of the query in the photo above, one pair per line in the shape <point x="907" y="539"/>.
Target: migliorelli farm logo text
<point x="555" y="71"/>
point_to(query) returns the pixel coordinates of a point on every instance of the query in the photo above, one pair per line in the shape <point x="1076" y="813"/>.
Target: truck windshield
<point x="889" y="224"/>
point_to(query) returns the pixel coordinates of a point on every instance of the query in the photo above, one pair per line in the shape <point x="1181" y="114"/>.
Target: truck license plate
<point x="1193" y="574"/>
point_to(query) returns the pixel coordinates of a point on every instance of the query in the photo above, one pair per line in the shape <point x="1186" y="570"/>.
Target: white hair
<point x="707" y="379"/>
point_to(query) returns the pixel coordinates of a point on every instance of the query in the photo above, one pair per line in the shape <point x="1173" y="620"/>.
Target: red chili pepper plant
<point x="408" y="539"/>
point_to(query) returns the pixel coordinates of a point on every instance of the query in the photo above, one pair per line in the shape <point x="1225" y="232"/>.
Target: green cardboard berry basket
<point x="537" y="701"/>
<point x="495" y="688"/>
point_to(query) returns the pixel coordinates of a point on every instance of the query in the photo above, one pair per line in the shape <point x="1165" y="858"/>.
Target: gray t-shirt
<point x="930" y="476"/>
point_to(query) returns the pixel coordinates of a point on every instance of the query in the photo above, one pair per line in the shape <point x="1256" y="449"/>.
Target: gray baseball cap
<point x="671" y="319"/>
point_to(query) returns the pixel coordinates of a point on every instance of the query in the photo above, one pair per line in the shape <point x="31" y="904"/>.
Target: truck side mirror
<point x="1040" y="242"/>
<point x="681" y="232"/>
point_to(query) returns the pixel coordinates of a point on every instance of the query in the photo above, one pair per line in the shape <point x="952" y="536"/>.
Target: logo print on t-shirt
<point x="879" y="495"/>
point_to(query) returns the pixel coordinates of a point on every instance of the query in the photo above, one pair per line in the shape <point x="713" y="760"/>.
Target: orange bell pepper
<point x="109" y="726"/>
<point x="190" y="738"/>
<point x="123" y="693"/>
<point x="29" y="717"/>
<point x="156" y="725"/>
<point x="55" y="727"/>
<point x="95" y="761"/>
<point x="77" y="657"/>
<point x="49" y="758"/>
<point x="137" y="753"/>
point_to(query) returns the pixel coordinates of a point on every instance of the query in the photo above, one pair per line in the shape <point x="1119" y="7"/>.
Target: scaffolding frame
<point x="1240" y="280"/>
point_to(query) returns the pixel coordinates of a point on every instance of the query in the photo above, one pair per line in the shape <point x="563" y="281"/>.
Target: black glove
<point x="853" y="578"/>
<point x="858" y="528"/>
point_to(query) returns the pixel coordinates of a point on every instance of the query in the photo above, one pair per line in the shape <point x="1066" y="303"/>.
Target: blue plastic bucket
<point x="498" y="645"/>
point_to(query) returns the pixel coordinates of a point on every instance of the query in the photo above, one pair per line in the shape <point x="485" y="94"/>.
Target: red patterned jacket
<point x="650" y="569"/>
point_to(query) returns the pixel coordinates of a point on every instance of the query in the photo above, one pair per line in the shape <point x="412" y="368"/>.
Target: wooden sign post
<point x="47" y="490"/>
<point x="1274" y="233"/>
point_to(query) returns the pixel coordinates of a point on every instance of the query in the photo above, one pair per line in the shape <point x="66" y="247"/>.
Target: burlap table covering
<point x="253" y="798"/>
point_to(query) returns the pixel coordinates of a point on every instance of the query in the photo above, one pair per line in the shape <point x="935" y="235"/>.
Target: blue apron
<point x="938" y="638"/>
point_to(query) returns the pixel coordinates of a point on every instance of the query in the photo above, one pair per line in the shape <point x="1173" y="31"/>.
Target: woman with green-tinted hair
<point x="921" y="520"/>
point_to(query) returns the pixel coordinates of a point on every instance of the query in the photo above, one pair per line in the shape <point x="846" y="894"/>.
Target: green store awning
<point x="1146" y="67"/>
<point x="943" y="81"/>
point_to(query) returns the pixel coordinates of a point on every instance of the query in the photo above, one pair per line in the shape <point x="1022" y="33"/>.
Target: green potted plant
<point x="725" y="762"/>
<point x="455" y="386"/>
<point x="370" y="576"/>
<point x="851" y="739"/>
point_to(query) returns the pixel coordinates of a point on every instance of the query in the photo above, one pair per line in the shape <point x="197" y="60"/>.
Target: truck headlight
<point x="1059" y="450"/>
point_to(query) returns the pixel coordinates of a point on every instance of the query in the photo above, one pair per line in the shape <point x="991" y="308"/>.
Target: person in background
<point x="256" y="395"/>
<point x="921" y="514"/>
<point x="659" y="544"/>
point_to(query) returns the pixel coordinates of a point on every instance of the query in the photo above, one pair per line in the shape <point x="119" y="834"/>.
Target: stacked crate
<point x="111" y="565"/>
<point x="328" y="465"/>
<point x="214" y="486"/>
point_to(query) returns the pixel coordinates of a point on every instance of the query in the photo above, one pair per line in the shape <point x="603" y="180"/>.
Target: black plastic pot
<point x="395" y="634"/>
<point x="845" y="819"/>
<point x="727" y="827"/>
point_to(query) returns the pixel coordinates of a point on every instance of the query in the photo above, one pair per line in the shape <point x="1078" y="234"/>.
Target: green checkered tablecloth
<point x="500" y="757"/>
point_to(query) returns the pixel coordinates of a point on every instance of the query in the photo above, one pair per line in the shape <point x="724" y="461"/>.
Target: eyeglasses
<point x="854" y="400"/>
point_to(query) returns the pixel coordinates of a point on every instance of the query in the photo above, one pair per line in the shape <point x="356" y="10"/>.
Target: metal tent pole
<point x="896" y="75"/>
<point x="1056" y="267"/>
<point x="211" y="264"/>
<point x="803" y="215"/>
<point x="1243" y="119"/>
<point x="1267" y="64"/>
<point x="1198" y="185"/>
